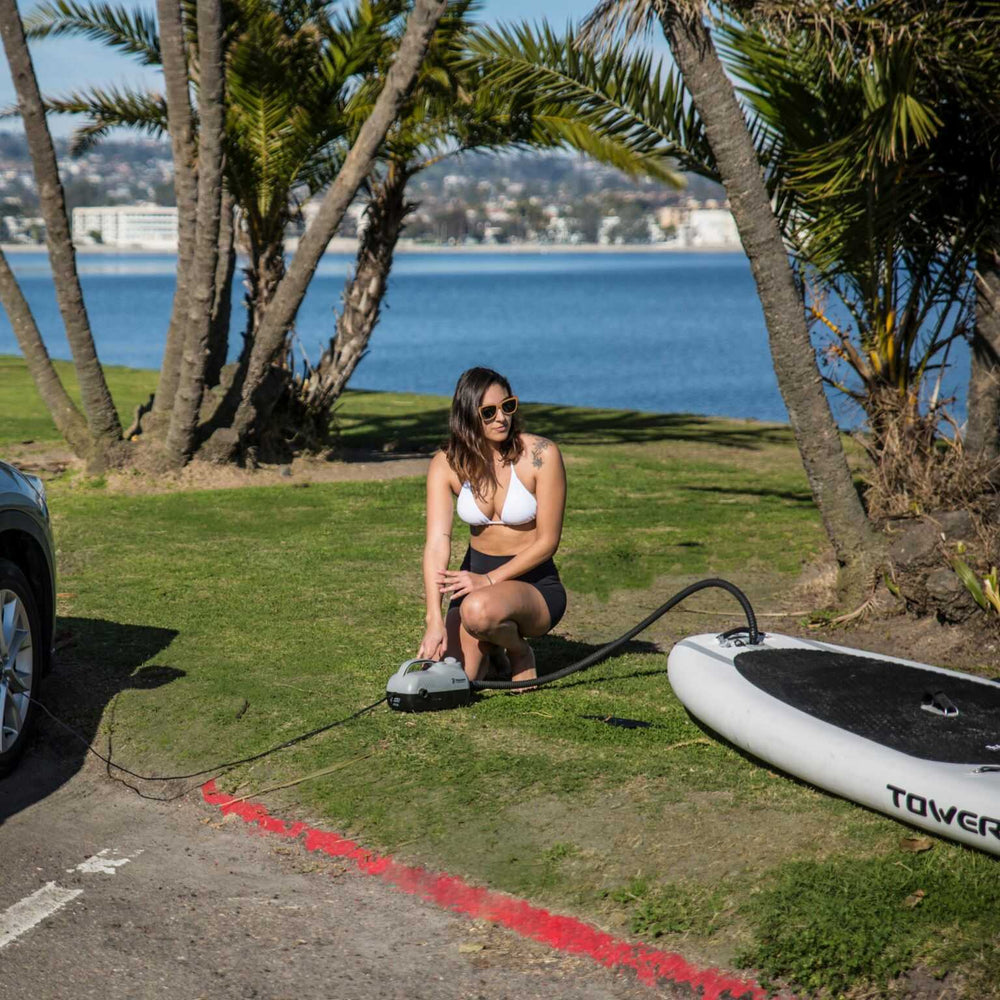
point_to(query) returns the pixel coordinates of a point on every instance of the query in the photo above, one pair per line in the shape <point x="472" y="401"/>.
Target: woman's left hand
<point x="460" y="582"/>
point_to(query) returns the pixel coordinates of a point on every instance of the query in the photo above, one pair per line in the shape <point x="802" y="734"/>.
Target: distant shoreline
<point x="350" y="246"/>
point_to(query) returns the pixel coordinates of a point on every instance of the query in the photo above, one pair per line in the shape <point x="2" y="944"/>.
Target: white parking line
<point x="101" y="863"/>
<point x="33" y="909"/>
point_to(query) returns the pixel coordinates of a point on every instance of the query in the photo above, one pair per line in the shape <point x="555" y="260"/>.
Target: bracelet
<point x="490" y="578"/>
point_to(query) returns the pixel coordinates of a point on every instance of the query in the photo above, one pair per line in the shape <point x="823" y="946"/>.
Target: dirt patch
<point x="971" y="647"/>
<point x="361" y="467"/>
<point x="49" y="461"/>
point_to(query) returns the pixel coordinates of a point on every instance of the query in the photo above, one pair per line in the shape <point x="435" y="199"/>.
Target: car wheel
<point x="21" y="659"/>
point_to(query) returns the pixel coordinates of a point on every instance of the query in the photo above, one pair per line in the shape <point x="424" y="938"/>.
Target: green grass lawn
<point x="203" y="626"/>
<point x="24" y="417"/>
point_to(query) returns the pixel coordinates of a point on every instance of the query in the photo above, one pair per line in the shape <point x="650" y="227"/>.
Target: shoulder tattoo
<point x="536" y="451"/>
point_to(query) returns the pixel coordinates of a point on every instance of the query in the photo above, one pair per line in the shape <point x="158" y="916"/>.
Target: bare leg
<point x="470" y="651"/>
<point x="504" y="615"/>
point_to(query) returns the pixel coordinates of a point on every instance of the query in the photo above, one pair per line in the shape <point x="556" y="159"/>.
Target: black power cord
<point x="753" y="636"/>
<point x="211" y="770"/>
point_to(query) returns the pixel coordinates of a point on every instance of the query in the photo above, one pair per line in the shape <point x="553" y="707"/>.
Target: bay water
<point x="666" y="332"/>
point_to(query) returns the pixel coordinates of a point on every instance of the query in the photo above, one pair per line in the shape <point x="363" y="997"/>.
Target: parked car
<point x="27" y="606"/>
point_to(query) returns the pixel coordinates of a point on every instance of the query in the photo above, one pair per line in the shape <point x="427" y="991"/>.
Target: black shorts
<point x="544" y="578"/>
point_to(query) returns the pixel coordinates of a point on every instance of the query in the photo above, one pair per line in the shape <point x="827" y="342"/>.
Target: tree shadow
<point x="425" y="430"/>
<point x="797" y="496"/>
<point x="95" y="660"/>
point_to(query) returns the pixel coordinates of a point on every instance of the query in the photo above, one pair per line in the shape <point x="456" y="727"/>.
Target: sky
<point x="65" y="64"/>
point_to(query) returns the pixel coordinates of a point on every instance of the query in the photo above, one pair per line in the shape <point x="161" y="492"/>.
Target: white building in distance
<point x="139" y="227"/>
<point x="709" y="226"/>
<point x="712" y="227"/>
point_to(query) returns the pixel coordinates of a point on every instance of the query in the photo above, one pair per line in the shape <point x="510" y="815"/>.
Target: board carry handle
<point x="938" y="703"/>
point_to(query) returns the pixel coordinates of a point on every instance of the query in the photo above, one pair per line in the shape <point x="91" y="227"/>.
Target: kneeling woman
<point x="511" y="489"/>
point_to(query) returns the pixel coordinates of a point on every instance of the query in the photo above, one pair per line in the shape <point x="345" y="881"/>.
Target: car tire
<point x="21" y="673"/>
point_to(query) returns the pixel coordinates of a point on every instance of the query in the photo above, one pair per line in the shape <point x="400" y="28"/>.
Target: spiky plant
<point x="853" y="151"/>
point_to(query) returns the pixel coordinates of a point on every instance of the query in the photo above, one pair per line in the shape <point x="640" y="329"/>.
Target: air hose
<point x="753" y="637"/>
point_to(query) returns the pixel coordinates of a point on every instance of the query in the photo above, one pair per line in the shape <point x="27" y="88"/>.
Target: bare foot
<point x="499" y="665"/>
<point x="522" y="665"/>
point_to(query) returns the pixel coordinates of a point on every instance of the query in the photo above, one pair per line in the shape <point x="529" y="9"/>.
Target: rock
<point x="955" y="525"/>
<point x="914" y="544"/>
<point x="920" y="554"/>
<point x="922" y="539"/>
<point x="948" y="596"/>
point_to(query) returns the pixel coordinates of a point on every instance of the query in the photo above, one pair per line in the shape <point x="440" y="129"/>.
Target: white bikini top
<point x="519" y="507"/>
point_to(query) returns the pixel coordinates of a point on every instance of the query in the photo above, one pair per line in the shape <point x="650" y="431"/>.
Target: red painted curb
<point x="453" y="893"/>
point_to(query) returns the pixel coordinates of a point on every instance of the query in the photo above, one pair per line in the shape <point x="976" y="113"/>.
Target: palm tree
<point x="280" y="314"/>
<point x="180" y="439"/>
<point x="809" y="412"/>
<point x="890" y="202"/>
<point x="290" y="67"/>
<point x="455" y="110"/>
<point x="172" y="51"/>
<point x="291" y="70"/>
<point x="149" y="111"/>
<point x="874" y="232"/>
<point x="722" y="143"/>
<point x="102" y="418"/>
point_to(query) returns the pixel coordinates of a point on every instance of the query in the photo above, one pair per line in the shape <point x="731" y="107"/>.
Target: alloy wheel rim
<point x="16" y="664"/>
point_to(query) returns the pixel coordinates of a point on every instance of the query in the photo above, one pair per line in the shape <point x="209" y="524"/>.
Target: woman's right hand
<point x="433" y="644"/>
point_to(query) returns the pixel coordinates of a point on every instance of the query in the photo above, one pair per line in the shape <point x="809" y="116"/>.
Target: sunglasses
<point x="508" y="406"/>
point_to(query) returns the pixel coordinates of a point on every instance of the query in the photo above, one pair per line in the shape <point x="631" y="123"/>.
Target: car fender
<point x="23" y="521"/>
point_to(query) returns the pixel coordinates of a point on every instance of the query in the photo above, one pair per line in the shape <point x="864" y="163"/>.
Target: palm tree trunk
<point x="67" y="418"/>
<point x="211" y="113"/>
<point x="363" y="294"/>
<point x="982" y="432"/>
<point x="102" y="418"/>
<point x="182" y="145"/>
<point x="281" y="313"/>
<point x="857" y="547"/>
<point x="218" y="347"/>
<point x="263" y="275"/>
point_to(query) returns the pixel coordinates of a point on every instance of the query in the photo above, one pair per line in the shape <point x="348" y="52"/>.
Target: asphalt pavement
<point x="105" y="894"/>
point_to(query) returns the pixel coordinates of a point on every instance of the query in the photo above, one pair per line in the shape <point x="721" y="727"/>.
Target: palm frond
<point x="613" y="150"/>
<point x="618" y="21"/>
<point x="132" y="30"/>
<point x="860" y="153"/>
<point x="106" y="108"/>
<point x="623" y="95"/>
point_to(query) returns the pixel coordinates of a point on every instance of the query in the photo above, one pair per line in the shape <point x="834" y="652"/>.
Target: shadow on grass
<point x="794" y="779"/>
<point x="797" y="496"/>
<point x="95" y="660"/>
<point x="553" y="653"/>
<point x="426" y="429"/>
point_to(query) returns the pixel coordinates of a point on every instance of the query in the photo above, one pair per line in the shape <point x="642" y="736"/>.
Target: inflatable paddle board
<point x="919" y="743"/>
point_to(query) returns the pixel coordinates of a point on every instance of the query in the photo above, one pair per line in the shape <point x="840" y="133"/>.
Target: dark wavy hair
<point x="468" y="451"/>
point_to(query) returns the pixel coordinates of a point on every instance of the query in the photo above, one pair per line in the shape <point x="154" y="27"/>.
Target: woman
<point x="511" y="489"/>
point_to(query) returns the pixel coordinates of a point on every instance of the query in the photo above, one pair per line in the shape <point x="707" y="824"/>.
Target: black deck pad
<point x="881" y="701"/>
